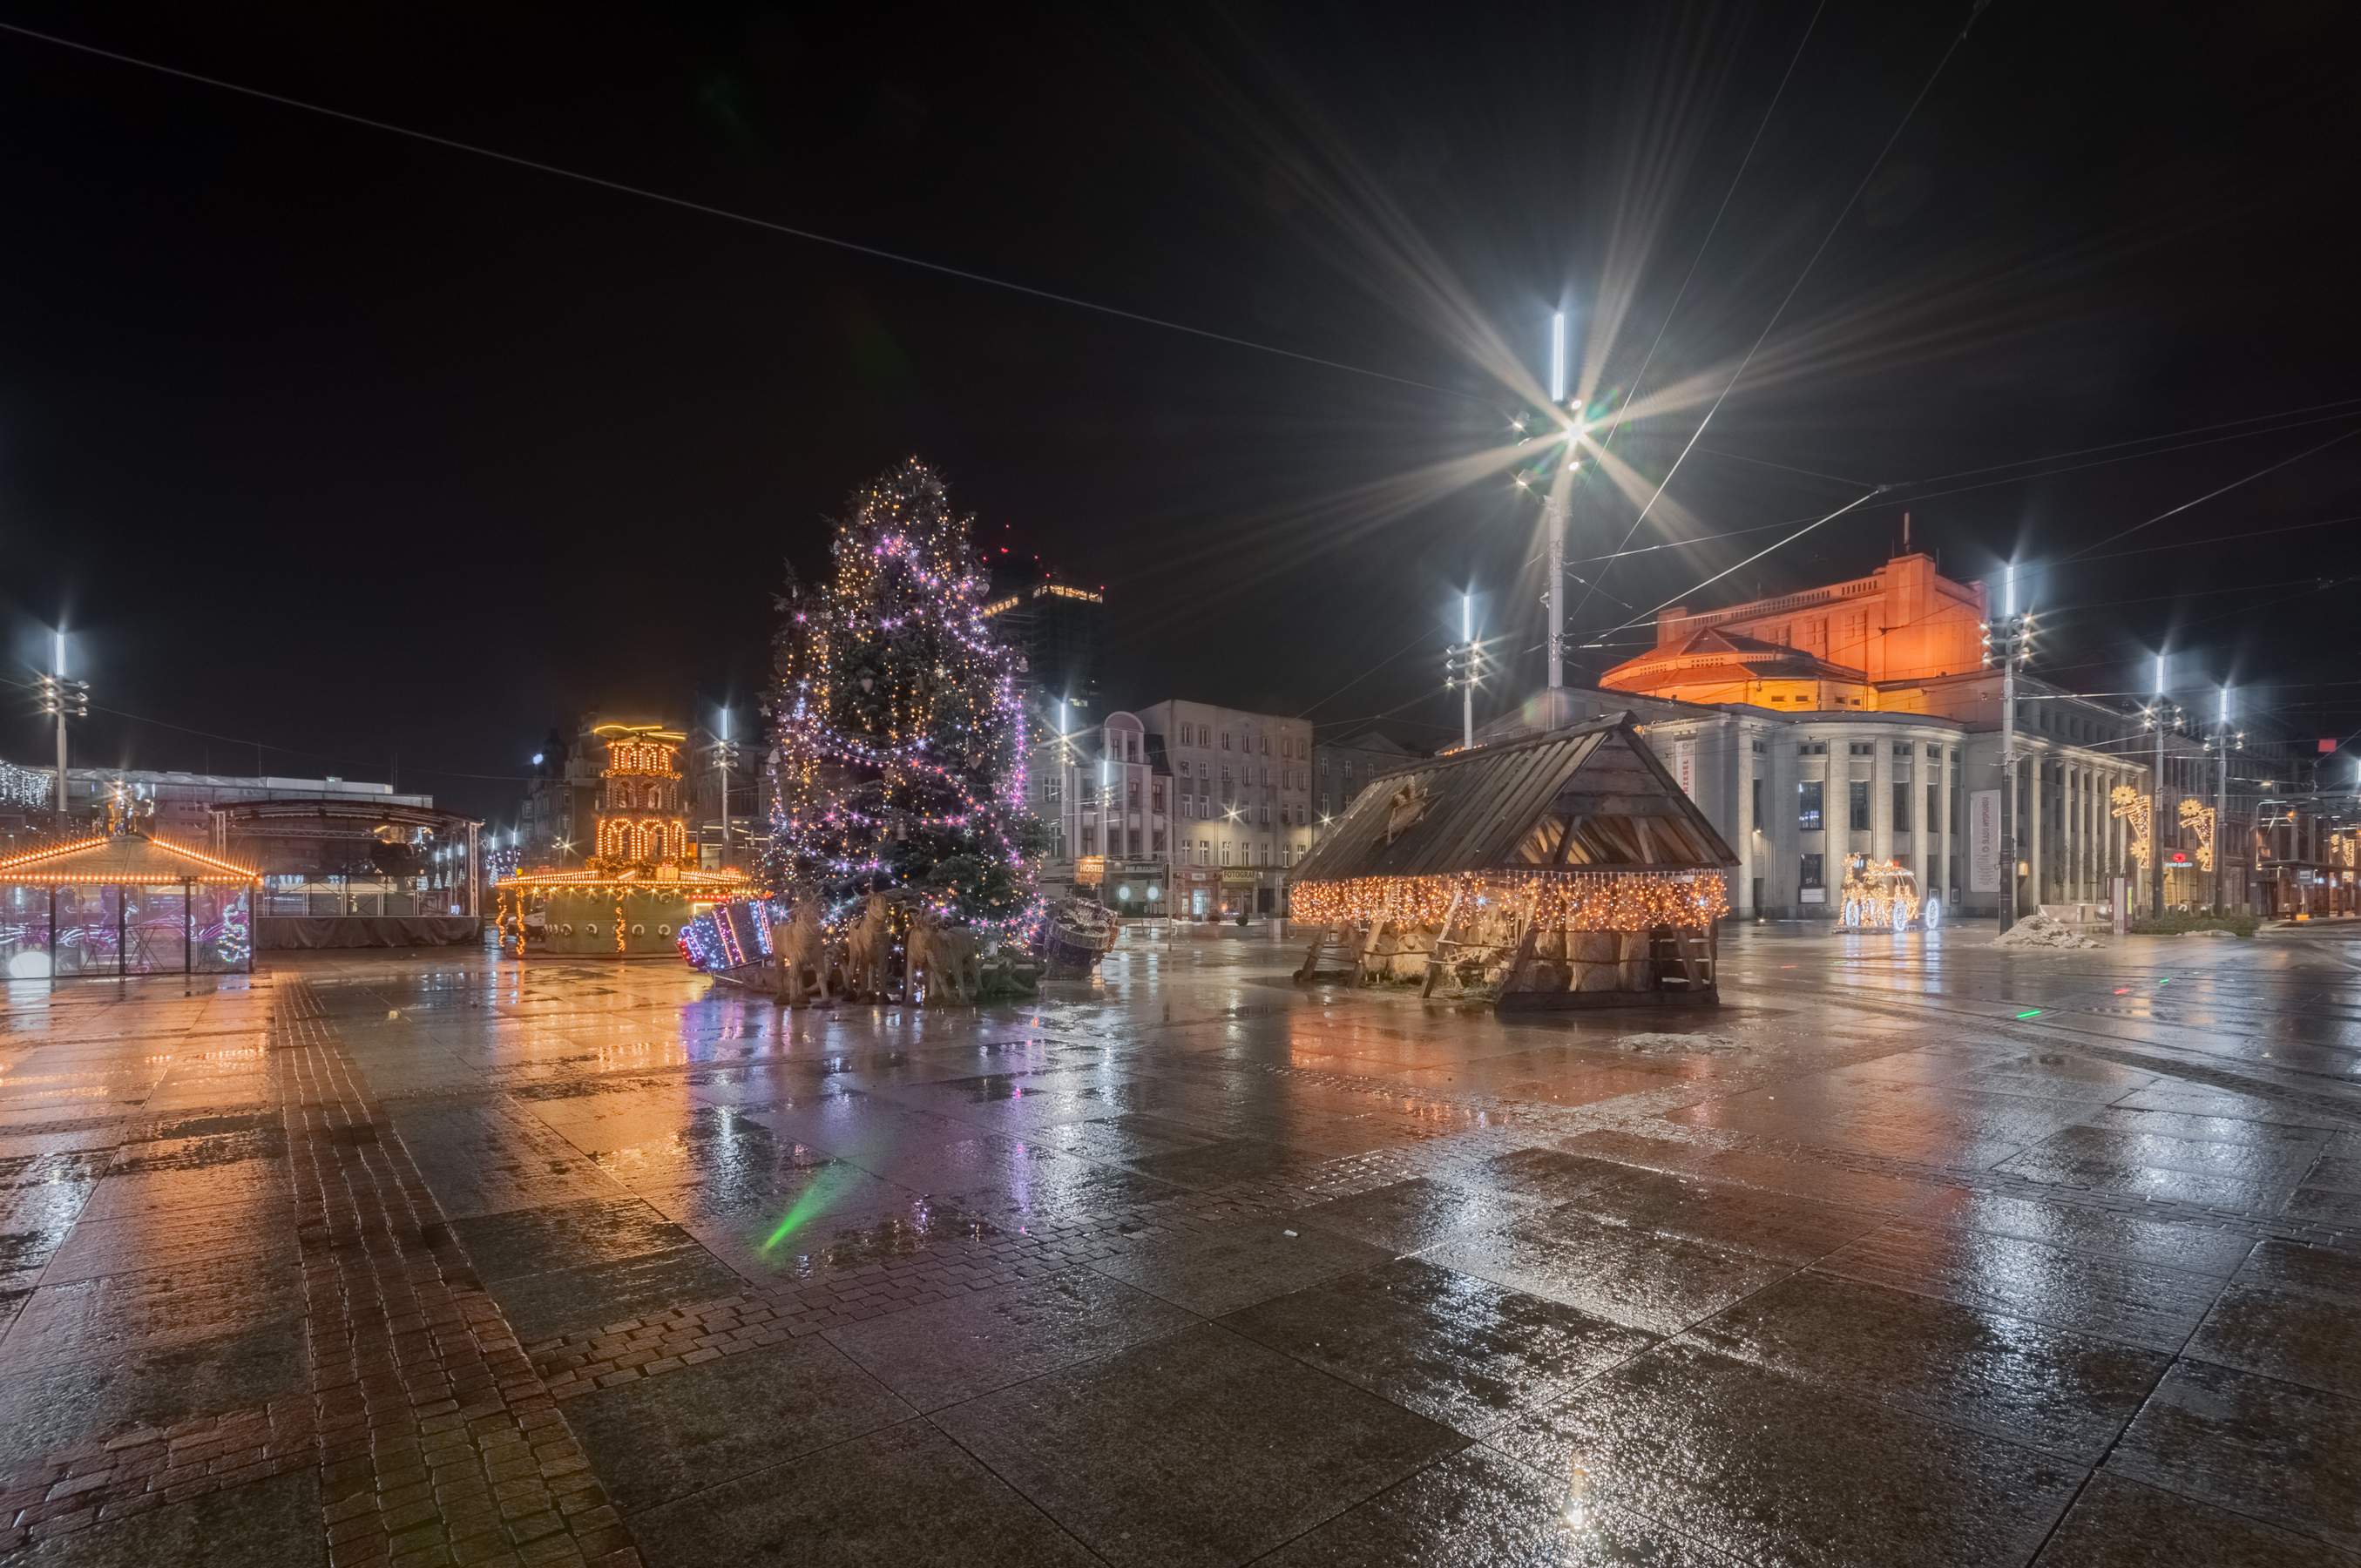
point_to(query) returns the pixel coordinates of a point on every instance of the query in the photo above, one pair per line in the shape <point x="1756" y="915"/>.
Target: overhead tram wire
<point x="1744" y="162"/>
<point x="708" y="210"/>
<point x="1826" y="240"/>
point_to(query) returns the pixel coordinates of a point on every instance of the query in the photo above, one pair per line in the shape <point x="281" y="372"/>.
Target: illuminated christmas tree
<point x="899" y="762"/>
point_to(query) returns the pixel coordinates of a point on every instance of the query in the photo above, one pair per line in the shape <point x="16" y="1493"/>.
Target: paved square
<point x="447" y="1259"/>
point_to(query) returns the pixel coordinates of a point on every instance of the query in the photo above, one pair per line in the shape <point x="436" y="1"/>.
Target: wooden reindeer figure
<point x="869" y="949"/>
<point x="802" y="946"/>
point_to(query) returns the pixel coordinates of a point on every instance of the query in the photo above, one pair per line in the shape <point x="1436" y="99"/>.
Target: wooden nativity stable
<point x="1566" y="871"/>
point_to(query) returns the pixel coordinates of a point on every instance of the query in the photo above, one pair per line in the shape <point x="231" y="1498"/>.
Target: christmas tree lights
<point x="900" y="735"/>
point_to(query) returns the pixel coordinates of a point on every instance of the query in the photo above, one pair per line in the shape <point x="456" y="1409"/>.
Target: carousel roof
<point x="1591" y="798"/>
<point x="127" y="858"/>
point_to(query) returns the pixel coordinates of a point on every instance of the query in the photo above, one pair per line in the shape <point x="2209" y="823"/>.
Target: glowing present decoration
<point x="2131" y="803"/>
<point x="2195" y="814"/>
<point x="1579" y="900"/>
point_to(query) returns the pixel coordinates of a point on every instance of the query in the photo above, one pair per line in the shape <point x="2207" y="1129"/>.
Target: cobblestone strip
<point x="438" y="1443"/>
<point x="128" y="1472"/>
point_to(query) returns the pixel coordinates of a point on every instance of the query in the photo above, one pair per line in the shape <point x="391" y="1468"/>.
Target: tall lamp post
<point x="1552" y="511"/>
<point x="1463" y="666"/>
<point x="2159" y="717"/>
<point x="2009" y="639"/>
<point x="2221" y="809"/>
<point x="62" y="699"/>
<point x="725" y="753"/>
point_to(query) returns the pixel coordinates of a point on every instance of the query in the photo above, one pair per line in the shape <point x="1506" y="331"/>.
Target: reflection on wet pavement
<point x="1191" y="1265"/>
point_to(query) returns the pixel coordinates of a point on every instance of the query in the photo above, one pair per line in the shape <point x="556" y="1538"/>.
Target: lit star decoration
<point x="900" y="734"/>
<point x="1579" y="901"/>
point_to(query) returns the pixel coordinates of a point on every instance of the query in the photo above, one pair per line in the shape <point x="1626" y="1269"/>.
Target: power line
<point x="1788" y="299"/>
<point x="708" y="210"/>
<point x="2208" y="495"/>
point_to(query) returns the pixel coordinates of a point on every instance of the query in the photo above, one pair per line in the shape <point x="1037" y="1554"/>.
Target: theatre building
<point x="1858" y="718"/>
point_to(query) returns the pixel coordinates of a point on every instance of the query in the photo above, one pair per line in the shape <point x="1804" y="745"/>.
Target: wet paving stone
<point x="1551" y="1175"/>
<point x="2253" y="1445"/>
<point x="1776" y="1225"/>
<point x="565" y="1235"/>
<point x="122" y="1315"/>
<point x="47" y="1406"/>
<point x="948" y="1351"/>
<point x="2064" y="1393"/>
<point x="2279" y="1334"/>
<point x="2104" y="1233"/>
<point x="655" y="1439"/>
<point x="1480" y="1510"/>
<point x="843" y="1219"/>
<point x="2137" y="1304"/>
<point x="1229" y="1162"/>
<point x="1411" y="1216"/>
<point x="1243" y="1263"/>
<point x="568" y="1300"/>
<point x="2305" y="1271"/>
<point x="1197" y="1448"/>
<point x="1766" y="1467"/>
<point x="1660" y="1283"/>
<point x="1456" y="1349"/>
<point x="2122" y="1524"/>
<point x="904" y="1495"/>
<point x="2148" y="1165"/>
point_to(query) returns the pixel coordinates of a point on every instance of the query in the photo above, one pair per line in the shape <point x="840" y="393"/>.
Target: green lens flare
<point x="814" y="1198"/>
<point x="2030" y="1012"/>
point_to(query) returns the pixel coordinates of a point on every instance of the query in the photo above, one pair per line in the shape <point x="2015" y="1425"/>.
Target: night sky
<point x="354" y="445"/>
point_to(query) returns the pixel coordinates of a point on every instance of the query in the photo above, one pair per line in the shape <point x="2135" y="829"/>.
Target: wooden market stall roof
<point x="1591" y="798"/>
<point x="129" y="859"/>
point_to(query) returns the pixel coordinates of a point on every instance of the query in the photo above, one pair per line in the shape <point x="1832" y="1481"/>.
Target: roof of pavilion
<point x="131" y="859"/>
<point x="1591" y="798"/>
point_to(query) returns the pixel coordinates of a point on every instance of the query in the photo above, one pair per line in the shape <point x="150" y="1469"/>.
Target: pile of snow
<point x="2041" y="931"/>
<point x="1665" y="1042"/>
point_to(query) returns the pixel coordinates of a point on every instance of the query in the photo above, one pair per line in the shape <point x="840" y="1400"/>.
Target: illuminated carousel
<point x="638" y="890"/>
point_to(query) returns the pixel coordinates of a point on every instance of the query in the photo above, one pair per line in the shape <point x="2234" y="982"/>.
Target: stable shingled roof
<point x="1515" y="807"/>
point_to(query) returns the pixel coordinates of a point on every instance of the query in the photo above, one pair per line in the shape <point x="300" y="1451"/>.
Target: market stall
<point x="1566" y="871"/>
<point x="123" y="902"/>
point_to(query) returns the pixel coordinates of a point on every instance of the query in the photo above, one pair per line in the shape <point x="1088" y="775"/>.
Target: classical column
<point x="2032" y="851"/>
<point x="1880" y="800"/>
<point x="1943" y="857"/>
<point x="2070" y="801"/>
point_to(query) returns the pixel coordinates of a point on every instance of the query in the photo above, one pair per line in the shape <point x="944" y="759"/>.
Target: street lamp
<point x="2009" y="639"/>
<point x="1462" y="667"/>
<point x="62" y="699"/>
<point x="2155" y="801"/>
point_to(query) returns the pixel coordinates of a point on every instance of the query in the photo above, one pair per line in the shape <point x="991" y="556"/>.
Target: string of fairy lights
<point x="1580" y="901"/>
<point x="900" y="754"/>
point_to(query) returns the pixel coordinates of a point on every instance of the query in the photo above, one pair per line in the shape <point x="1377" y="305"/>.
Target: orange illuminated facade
<point x="1879" y="643"/>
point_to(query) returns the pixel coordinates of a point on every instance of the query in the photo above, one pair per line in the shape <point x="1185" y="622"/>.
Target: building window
<point x="1902" y="806"/>
<point x="1810" y="874"/>
<point x="1131" y="794"/>
<point x="1857" y="805"/>
<point x="1226" y="739"/>
<point x="1933" y="805"/>
<point x="1807" y="809"/>
<point x="1862" y="748"/>
<point x="1262" y="854"/>
<point x="1754" y="800"/>
<point x="1266" y="745"/>
<point x="1156" y="795"/>
<point x="1225" y="852"/>
<point x="1266" y="814"/>
<point x="1184" y="767"/>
